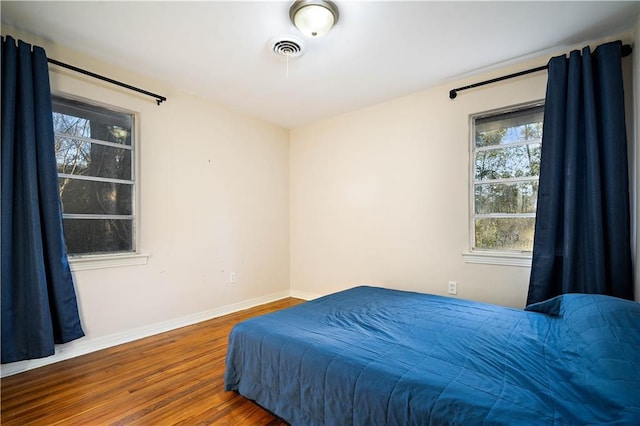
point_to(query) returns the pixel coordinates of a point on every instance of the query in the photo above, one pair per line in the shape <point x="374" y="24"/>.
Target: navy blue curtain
<point x="39" y="306"/>
<point x="582" y="240"/>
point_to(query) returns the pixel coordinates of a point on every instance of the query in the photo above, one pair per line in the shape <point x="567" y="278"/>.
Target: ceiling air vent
<point x="288" y="46"/>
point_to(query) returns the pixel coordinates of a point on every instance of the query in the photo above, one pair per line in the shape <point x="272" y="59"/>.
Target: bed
<point x="373" y="356"/>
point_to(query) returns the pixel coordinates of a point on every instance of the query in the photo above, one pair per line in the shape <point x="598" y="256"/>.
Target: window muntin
<point x="95" y="159"/>
<point x="506" y="166"/>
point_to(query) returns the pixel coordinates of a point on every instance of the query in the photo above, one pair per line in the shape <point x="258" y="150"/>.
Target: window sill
<point x="498" y="258"/>
<point x="84" y="263"/>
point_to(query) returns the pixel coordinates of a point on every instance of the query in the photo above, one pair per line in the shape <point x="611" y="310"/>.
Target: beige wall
<point x="381" y="196"/>
<point x="213" y="198"/>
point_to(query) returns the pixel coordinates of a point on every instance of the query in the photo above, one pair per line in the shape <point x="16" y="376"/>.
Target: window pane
<point x="505" y="233"/>
<point x="71" y="125"/>
<point x="520" y="197"/>
<point x="89" y="159"/>
<point x="88" y="197"/>
<point x="515" y="126"/>
<point x="506" y="165"/>
<point x="84" y="236"/>
<point x="94" y="144"/>
<point x="508" y="162"/>
<point x="79" y="119"/>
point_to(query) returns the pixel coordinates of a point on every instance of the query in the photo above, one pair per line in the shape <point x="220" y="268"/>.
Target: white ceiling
<point x="379" y="50"/>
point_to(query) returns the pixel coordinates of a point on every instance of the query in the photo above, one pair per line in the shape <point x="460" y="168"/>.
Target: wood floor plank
<point x="167" y="379"/>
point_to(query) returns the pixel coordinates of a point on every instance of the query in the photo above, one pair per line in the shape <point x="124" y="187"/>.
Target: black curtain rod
<point x="159" y="99"/>
<point x="625" y="51"/>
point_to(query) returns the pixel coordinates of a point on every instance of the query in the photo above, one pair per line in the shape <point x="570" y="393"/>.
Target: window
<point x="95" y="158"/>
<point x="506" y="166"/>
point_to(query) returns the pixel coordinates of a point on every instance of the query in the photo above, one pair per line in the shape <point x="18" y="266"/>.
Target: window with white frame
<point x="96" y="159"/>
<point x="506" y="166"/>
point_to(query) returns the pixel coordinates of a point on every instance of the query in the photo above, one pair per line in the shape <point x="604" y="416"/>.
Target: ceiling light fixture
<point x="314" y="18"/>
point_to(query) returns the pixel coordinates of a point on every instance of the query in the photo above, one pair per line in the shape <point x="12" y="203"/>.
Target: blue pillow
<point x="550" y="306"/>
<point x="599" y="338"/>
<point x="591" y="307"/>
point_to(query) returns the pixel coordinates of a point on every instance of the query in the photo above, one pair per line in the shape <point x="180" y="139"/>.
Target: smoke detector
<point x="287" y="46"/>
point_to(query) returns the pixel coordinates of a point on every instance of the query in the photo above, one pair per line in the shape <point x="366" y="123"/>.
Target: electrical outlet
<point x="453" y="287"/>
<point x="233" y="278"/>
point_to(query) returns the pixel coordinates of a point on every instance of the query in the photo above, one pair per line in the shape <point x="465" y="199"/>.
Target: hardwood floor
<point x="171" y="378"/>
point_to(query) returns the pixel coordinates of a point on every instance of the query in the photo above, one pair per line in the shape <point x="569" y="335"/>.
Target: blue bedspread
<point x="373" y="356"/>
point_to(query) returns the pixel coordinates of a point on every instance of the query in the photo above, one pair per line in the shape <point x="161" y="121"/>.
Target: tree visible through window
<point x="506" y="166"/>
<point x="95" y="157"/>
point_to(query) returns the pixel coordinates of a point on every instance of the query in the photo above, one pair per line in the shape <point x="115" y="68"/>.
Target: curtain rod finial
<point x="453" y="94"/>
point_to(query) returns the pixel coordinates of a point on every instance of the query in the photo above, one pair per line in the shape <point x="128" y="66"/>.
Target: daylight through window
<point x="95" y="158"/>
<point x="506" y="166"/>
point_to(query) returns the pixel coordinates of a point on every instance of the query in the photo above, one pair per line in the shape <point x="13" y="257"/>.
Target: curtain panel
<point x="582" y="240"/>
<point x="39" y="305"/>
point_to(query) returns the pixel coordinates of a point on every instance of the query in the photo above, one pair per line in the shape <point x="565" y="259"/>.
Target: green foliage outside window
<point x="506" y="169"/>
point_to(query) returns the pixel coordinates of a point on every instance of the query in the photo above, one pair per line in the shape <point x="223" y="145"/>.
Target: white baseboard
<point x="86" y="345"/>
<point x="305" y="295"/>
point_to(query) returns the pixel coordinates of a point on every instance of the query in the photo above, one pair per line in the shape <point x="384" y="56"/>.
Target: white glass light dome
<point x="313" y="18"/>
